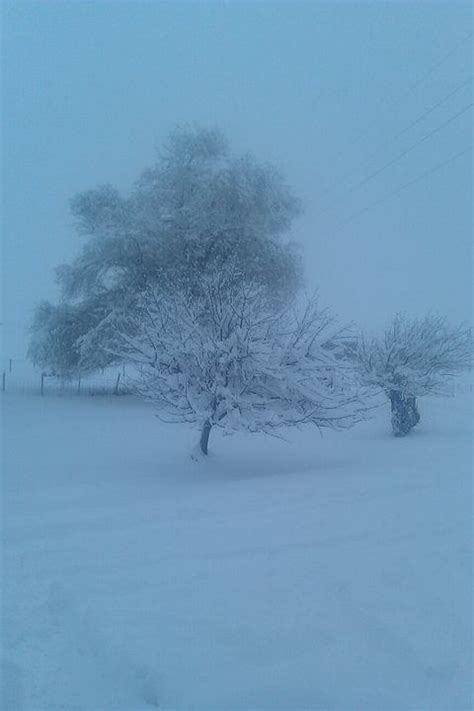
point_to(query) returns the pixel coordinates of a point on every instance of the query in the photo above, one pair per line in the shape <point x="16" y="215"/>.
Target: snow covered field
<point x="315" y="573"/>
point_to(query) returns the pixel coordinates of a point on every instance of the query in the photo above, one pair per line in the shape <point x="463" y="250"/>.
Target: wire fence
<point x="18" y="376"/>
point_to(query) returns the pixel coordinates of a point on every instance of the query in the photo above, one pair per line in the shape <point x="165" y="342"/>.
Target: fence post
<point x="79" y="385"/>
<point x="42" y="383"/>
<point x="11" y="365"/>
<point x="4" y="379"/>
<point x="117" y="384"/>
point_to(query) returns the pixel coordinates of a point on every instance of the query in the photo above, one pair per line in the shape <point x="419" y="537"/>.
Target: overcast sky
<point x="90" y="89"/>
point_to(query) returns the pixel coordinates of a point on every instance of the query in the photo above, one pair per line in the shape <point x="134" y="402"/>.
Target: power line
<point x="400" y="189"/>
<point x="398" y="157"/>
<point x="411" y="88"/>
<point x="430" y="110"/>
<point x="393" y="138"/>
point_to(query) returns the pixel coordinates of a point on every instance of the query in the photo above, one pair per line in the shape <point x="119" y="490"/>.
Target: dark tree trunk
<point x="405" y="413"/>
<point x="204" y="441"/>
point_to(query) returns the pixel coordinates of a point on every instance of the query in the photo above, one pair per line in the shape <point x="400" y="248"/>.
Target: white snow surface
<point x="315" y="573"/>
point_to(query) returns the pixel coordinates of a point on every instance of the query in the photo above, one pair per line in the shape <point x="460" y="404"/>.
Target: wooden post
<point x="42" y="383"/>
<point x="4" y="380"/>
<point x="117" y="384"/>
<point x="79" y="385"/>
<point x="11" y="365"/>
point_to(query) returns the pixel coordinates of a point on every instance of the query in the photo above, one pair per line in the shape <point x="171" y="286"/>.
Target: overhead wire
<point x="397" y="135"/>
<point x="431" y="70"/>
<point x="398" y="157"/>
<point x="403" y="187"/>
<point x="419" y="178"/>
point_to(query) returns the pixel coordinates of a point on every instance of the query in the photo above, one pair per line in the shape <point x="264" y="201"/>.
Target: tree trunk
<point x="405" y="413"/>
<point x="204" y="441"/>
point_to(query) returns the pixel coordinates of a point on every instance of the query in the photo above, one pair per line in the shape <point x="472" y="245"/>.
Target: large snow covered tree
<point x="414" y="357"/>
<point x="195" y="208"/>
<point x="191" y="212"/>
<point x="229" y="359"/>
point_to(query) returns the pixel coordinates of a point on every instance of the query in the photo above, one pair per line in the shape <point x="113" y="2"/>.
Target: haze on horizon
<point x="90" y="90"/>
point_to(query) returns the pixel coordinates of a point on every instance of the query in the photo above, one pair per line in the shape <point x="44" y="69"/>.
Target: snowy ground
<point x="313" y="574"/>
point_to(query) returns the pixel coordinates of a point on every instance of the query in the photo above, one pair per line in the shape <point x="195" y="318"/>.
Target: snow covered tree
<point x="228" y="359"/>
<point x="194" y="210"/>
<point x="414" y="358"/>
<point x="187" y="214"/>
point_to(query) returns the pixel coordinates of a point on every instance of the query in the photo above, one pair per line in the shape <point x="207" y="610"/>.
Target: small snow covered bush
<point x="414" y="357"/>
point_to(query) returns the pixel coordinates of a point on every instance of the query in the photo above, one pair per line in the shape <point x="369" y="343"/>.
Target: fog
<point x="322" y="557"/>
<point x="90" y="90"/>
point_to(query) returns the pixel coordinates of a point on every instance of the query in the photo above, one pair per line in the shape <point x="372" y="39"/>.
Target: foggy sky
<point x="90" y="89"/>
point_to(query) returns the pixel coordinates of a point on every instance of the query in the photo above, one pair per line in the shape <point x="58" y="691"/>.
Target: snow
<point x="316" y="573"/>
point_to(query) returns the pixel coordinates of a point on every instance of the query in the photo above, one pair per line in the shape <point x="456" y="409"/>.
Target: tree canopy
<point x="197" y="209"/>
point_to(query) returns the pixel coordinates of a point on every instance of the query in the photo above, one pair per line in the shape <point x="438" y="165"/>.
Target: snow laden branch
<point x="414" y="358"/>
<point x="228" y="359"/>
